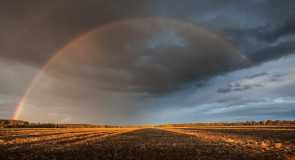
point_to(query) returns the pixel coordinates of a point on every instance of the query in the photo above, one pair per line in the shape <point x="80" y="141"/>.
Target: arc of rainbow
<point x="60" y="51"/>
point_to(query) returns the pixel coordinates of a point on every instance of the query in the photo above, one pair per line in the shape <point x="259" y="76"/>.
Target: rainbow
<point x="27" y="92"/>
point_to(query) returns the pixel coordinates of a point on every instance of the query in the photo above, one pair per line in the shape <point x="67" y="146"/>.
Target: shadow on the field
<point x="59" y="140"/>
<point x="143" y="144"/>
<point x="153" y="144"/>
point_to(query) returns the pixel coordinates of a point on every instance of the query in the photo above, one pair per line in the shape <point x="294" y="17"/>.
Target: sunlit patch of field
<point x="18" y="141"/>
<point x="263" y="142"/>
<point x="149" y="143"/>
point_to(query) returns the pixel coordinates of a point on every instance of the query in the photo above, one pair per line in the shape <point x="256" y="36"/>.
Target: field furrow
<point x="148" y="143"/>
<point x="256" y="142"/>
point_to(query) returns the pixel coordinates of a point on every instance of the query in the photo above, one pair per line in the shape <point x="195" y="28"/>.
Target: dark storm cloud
<point x="274" y="52"/>
<point x="286" y="29"/>
<point x="258" y="28"/>
<point x="266" y="51"/>
<point x="147" y="55"/>
<point x="32" y="31"/>
<point x="143" y="67"/>
<point x="269" y="32"/>
<point x="266" y="35"/>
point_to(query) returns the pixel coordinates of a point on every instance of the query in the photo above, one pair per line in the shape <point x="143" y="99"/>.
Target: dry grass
<point x="21" y="141"/>
<point x="151" y="143"/>
<point x="271" y="142"/>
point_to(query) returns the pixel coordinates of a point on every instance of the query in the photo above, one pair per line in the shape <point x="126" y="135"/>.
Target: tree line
<point x="247" y="123"/>
<point x="6" y="123"/>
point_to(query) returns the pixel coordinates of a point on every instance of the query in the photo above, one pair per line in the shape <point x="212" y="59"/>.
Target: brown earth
<point x="149" y="143"/>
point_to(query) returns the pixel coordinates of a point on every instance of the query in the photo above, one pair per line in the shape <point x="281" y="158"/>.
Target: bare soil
<point x="147" y="143"/>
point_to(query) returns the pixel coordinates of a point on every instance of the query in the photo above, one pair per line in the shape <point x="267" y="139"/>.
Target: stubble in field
<point x="149" y="143"/>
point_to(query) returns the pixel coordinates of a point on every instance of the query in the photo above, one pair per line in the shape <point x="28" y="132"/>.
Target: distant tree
<point x="263" y="123"/>
<point x="278" y="122"/>
<point x="247" y="123"/>
<point x="269" y="122"/>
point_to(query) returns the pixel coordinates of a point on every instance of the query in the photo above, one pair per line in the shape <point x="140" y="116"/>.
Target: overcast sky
<point x="147" y="62"/>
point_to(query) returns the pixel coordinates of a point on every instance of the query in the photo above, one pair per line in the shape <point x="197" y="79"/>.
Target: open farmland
<point x="149" y="143"/>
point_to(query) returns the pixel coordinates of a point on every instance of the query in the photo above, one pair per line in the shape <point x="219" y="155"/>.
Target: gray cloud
<point x="266" y="51"/>
<point x="32" y="31"/>
<point x="269" y="32"/>
<point x="148" y="65"/>
<point x="146" y="55"/>
<point x="273" y="52"/>
<point x="31" y="34"/>
<point x="277" y="78"/>
<point x="224" y="90"/>
<point x="257" y="75"/>
<point x="286" y="29"/>
<point x="236" y="86"/>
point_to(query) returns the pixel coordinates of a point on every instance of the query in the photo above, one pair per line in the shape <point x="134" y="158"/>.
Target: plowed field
<point x="149" y="143"/>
